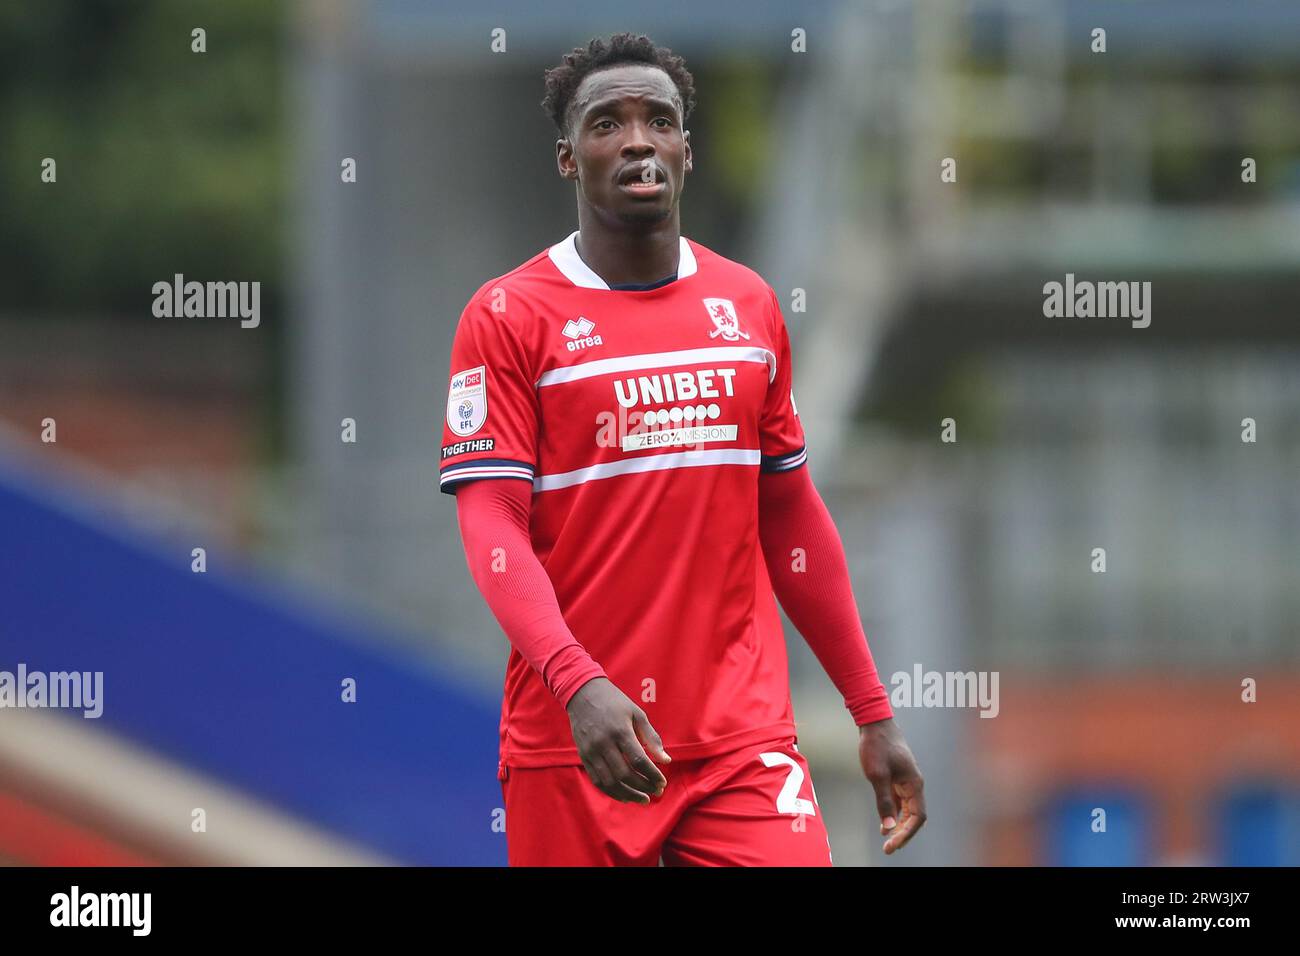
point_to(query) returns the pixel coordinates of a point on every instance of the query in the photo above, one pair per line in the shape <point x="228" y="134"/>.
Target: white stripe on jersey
<point x="629" y="466"/>
<point x="786" y="464"/>
<point x="628" y="363"/>
<point x="487" y="471"/>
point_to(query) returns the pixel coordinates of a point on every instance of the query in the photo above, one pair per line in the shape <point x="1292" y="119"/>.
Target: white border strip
<point x="630" y="466"/>
<point x="629" y="363"/>
<point x="798" y="459"/>
<point x="108" y="775"/>
<point x="487" y="471"/>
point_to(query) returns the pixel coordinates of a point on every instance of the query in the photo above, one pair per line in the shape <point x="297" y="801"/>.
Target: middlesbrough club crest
<point x="723" y="314"/>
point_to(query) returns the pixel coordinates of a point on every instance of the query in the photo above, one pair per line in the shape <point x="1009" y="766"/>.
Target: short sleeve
<point x="490" y="428"/>
<point x="781" y="441"/>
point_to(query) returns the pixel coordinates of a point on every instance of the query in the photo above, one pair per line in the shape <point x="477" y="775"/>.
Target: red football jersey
<point x="642" y="419"/>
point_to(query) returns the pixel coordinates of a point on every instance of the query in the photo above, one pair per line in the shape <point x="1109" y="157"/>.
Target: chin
<point x="645" y="216"/>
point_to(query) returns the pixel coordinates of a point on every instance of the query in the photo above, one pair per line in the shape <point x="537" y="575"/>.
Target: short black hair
<point x="562" y="81"/>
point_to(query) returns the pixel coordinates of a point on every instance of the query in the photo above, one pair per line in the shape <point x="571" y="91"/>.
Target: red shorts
<point x="751" y="807"/>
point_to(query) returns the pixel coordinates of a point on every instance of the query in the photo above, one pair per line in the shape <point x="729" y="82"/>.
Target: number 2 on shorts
<point x="788" y="800"/>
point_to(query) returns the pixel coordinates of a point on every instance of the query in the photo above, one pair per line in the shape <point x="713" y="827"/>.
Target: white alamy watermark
<point x="922" y="688"/>
<point x="72" y="690"/>
<point x="1085" y="299"/>
<point x="208" y="300"/>
<point x="75" y="908"/>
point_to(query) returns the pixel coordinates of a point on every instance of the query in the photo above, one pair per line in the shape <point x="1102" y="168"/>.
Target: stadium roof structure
<point x="1206" y="28"/>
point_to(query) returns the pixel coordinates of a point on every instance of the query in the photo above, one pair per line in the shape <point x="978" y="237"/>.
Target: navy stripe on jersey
<point x="784" y="462"/>
<point x="453" y="475"/>
<point x="633" y="287"/>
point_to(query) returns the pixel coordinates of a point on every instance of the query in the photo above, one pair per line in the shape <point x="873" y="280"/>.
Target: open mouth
<point x="639" y="188"/>
<point x="643" y="178"/>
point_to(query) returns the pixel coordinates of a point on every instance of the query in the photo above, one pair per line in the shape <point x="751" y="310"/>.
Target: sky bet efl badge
<point x="467" y="401"/>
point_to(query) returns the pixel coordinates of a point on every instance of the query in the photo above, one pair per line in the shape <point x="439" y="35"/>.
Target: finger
<point x="592" y="773"/>
<point x="634" y="768"/>
<point x="904" y="832"/>
<point x="601" y="776"/>
<point x="650" y="737"/>
<point x="917" y="802"/>
<point x="909" y="798"/>
<point x="625" y="794"/>
<point x="641" y="763"/>
<point x="613" y="785"/>
<point x="617" y="771"/>
<point x="885" y="804"/>
<point x="645" y="775"/>
<point x="913" y="819"/>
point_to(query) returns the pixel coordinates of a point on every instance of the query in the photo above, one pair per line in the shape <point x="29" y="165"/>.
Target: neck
<point x="629" y="256"/>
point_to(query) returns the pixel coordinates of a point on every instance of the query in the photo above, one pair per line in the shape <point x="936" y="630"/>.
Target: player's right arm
<point x="607" y="725"/>
<point x="489" y="447"/>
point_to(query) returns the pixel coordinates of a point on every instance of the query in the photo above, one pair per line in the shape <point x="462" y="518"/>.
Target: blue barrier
<point x="1257" y="823"/>
<point x="235" y="677"/>
<point x="1074" y="840"/>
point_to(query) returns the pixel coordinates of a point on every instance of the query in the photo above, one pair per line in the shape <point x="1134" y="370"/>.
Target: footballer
<point x="632" y="493"/>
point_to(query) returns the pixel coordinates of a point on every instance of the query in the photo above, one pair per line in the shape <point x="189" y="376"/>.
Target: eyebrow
<point x="613" y="105"/>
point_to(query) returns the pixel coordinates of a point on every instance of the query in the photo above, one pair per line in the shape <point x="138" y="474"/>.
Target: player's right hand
<point x="608" y="729"/>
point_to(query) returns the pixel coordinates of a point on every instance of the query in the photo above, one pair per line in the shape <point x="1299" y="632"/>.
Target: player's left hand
<point x="889" y="765"/>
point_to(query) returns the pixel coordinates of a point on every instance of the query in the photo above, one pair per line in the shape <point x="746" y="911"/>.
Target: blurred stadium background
<point x="329" y="560"/>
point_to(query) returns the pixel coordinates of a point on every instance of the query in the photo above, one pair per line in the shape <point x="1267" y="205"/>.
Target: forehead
<point x="625" y="81"/>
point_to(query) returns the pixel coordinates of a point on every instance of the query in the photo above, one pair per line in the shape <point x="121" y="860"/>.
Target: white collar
<point x="565" y="256"/>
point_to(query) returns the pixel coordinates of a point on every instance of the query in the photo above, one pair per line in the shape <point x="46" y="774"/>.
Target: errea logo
<point x="580" y="333"/>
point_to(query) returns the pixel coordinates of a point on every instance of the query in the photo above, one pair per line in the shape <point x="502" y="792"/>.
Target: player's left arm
<point x="810" y="577"/>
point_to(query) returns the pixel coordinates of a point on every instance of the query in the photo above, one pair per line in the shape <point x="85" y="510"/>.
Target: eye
<point x="603" y="122"/>
<point x="665" y="119"/>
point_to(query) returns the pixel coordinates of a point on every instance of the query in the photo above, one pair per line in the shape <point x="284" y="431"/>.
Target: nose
<point x="637" y="143"/>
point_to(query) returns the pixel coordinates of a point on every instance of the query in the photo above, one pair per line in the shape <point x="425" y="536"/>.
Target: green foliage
<point x="168" y="160"/>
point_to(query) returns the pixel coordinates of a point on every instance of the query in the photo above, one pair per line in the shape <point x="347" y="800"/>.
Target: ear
<point x="565" y="161"/>
<point x="686" y="138"/>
